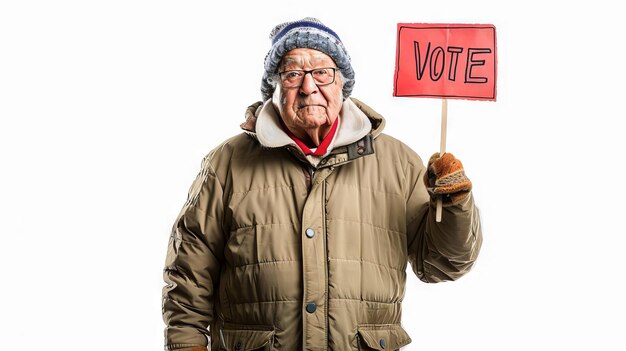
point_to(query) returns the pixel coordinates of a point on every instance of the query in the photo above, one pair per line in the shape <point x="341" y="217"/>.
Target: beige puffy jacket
<point x="269" y="254"/>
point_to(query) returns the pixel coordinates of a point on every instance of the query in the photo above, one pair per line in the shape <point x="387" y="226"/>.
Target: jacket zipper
<point x="327" y="263"/>
<point x="308" y="176"/>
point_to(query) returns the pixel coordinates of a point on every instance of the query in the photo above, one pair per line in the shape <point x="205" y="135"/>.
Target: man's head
<point x="308" y="74"/>
<point x="306" y="33"/>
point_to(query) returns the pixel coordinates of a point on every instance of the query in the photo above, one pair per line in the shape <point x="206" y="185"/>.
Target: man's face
<point x="308" y="106"/>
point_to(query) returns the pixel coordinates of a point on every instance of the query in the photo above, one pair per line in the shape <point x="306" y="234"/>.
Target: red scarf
<point x="321" y="149"/>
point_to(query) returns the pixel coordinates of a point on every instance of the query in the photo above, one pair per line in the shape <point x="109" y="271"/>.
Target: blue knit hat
<point x="309" y="33"/>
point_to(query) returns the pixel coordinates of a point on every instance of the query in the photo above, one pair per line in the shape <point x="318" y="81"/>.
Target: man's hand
<point x="446" y="178"/>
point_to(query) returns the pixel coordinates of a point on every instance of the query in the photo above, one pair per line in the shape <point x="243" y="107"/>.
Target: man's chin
<point x="312" y="121"/>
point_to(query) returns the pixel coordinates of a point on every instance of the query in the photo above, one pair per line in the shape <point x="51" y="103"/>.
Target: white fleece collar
<point x="353" y="125"/>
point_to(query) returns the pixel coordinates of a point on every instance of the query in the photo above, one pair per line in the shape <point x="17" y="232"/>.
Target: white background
<point x="107" y="108"/>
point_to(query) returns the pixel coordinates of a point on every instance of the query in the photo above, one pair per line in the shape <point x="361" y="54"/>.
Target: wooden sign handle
<point x="442" y="149"/>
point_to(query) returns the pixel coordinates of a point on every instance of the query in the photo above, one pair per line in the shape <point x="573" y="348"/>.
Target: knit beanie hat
<point x="309" y="33"/>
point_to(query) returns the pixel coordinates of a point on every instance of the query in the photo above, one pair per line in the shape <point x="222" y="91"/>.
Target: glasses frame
<point x="334" y="69"/>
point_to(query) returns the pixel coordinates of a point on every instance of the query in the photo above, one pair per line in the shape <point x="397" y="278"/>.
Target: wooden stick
<point x="442" y="149"/>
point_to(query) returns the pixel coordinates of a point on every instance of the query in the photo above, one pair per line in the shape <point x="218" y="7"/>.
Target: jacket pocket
<point x="246" y="338"/>
<point x="381" y="337"/>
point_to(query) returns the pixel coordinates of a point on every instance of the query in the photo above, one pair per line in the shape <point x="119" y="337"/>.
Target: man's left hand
<point x="446" y="178"/>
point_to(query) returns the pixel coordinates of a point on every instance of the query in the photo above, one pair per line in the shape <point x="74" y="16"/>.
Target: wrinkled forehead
<point x="304" y="57"/>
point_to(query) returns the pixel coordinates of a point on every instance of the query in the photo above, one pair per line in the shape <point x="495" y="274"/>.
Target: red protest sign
<point x="456" y="61"/>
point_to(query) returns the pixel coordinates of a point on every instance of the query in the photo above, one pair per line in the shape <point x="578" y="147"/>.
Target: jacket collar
<point x="377" y="121"/>
<point x="352" y="141"/>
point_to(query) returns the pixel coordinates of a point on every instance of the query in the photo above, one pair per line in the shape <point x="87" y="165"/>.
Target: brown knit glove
<point x="446" y="178"/>
<point x="195" y="348"/>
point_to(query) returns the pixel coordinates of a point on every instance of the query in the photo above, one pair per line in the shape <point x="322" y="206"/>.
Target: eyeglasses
<point x="321" y="76"/>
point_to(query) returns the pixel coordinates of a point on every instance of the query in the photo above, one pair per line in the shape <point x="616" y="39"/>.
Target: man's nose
<point x="308" y="85"/>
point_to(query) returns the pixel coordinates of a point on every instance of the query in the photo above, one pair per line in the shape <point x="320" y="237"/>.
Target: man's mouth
<point x="311" y="105"/>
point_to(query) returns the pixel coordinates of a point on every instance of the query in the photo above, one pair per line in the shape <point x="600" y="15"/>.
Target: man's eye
<point x="292" y="74"/>
<point x="321" y="72"/>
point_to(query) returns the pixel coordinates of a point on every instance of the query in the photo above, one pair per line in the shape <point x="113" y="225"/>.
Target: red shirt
<point x="321" y="149"/>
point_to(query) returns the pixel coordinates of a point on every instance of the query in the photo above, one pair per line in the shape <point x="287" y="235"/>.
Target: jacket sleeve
<point x="439" y="251"/>
<point x="192" y="266"/>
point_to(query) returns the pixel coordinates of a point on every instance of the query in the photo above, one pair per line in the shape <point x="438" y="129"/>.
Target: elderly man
<point x="296" y="233"/>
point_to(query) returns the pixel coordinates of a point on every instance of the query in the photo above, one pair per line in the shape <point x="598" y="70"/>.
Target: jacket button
<point x="310" y="233"/>
<point x="238" y="346"/>
<point x="382" y="343"/>
<point x="311" y="307"/>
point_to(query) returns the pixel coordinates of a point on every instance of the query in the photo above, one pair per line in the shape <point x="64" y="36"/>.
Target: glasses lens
<point x="321" y="76"/>
<point x="292" y="78"/>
